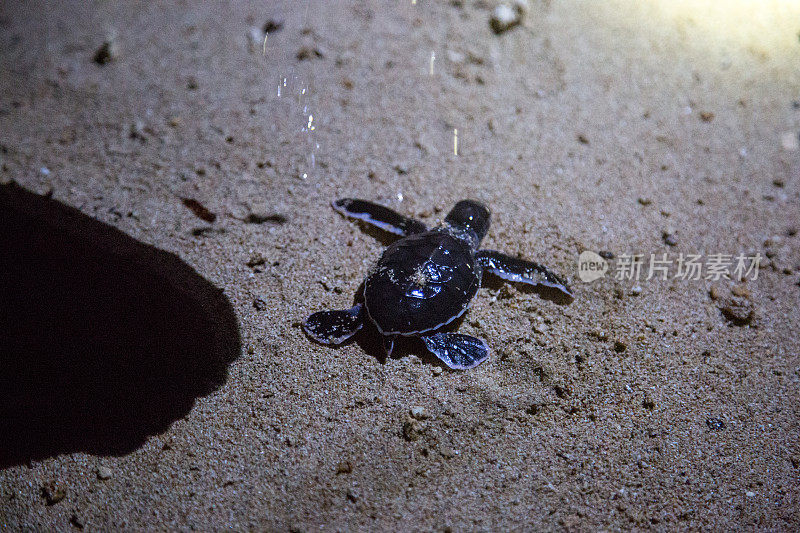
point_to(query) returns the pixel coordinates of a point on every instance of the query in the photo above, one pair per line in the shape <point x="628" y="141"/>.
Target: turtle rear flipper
<point x="379" y="216"/>
<point x="388" y="344"/>
<point x="456" y="350"/>
<point x="334" y="327"/>
<point x="547" y="284"/>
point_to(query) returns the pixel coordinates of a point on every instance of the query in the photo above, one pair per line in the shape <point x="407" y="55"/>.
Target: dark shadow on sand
<point x="104" y="340"/>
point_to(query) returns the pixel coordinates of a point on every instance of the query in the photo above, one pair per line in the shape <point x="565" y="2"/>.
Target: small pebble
<point x="199" y="210"/>
<point x="738" y="311"/>
<point x="772" y="245"/>
<point x="504" y="17"/>
<point x="447" y="452"/>
<point x="136" y="131"/>
<point x="53" y="492"/>
<point x="309" y="52"/>
<point x="455" y="57"/>
<point x="412" y="430"/>
<point x="598" y="334"/>
<point x="107" y="52"/>
<point x="740" y="290"/>
<point x="400" y="168"/>
<point x="272" y="25"/>
<point x="256" y="260"/>
<point x="789" y="141"/>
<point x="749" y="493"/>
<point x="713" y="293"/>
<point x="645" y="201"/>
<point x="716" y="424"/>
<point x="636" y="290"/>
<point x="507" y="291"/>
<point x="104" y="473"/>
<point x="437" y="370"/>
<point x="259" y="304"/>
<point x="620" y="346"/>
<point x="76" y="521"/>
<point x="706" y="116"/>
<point x="418" y="412"/>
<point x="345" y="467"/>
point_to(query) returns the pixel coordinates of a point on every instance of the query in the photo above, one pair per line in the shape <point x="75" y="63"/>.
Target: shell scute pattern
<point x="433" y="278"/>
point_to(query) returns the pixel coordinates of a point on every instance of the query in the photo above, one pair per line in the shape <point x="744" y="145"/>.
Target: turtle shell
<point x="421" y="283"/>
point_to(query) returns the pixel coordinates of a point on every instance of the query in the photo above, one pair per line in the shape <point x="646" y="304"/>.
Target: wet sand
<point x="191" y="200"/>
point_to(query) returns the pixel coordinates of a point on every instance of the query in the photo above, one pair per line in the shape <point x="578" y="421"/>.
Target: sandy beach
<point x="166" y="174"/>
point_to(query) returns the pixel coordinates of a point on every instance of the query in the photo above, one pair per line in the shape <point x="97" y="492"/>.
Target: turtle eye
<point x="471" y="216"/>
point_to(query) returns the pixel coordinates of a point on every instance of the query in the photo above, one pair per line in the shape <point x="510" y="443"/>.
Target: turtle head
<point x="471" y="217"/>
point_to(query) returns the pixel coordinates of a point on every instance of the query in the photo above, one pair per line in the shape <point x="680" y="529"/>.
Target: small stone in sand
<point x="136" y="131"/>
<point x="272" y="25"/>
<point x="412" y="430"/>
<point x="309" y="52"/>
<point x="104" y="473"/>
<point x="76" y="521"/>
<point x="53" y="492"/>
<point x="199" y="210"/>
<point x="107" y="52"/>
<point x="740" y="290"/>
<point x="716" y="424"/>
<point x="790" y="141"/>
<point x="645" y="201"/>
<point x="418" y="412"/>
<point x="259" y="304"/>
<point x="505" y="17"/>
<point x="344" y="467"/>
<point x="713" y="293"/>
<point x="737" y="311"/>
<point x="447" y="452"/>
<point x="636" y="290"/>
<point x="620" y="346"/>
<point x="256" y="260"/>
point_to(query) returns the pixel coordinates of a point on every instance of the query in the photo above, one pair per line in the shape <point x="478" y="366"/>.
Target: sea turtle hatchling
<point x="426" y="280"/>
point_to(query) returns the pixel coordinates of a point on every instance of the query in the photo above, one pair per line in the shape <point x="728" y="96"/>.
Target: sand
<point x="158" y="378"/>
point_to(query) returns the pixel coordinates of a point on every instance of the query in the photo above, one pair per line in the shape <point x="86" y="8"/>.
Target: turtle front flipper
<point x="334" y="327"/>
<point x="545" y="283"/>
<point x="379" y="216"/>
<point x="456" y="350"/>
